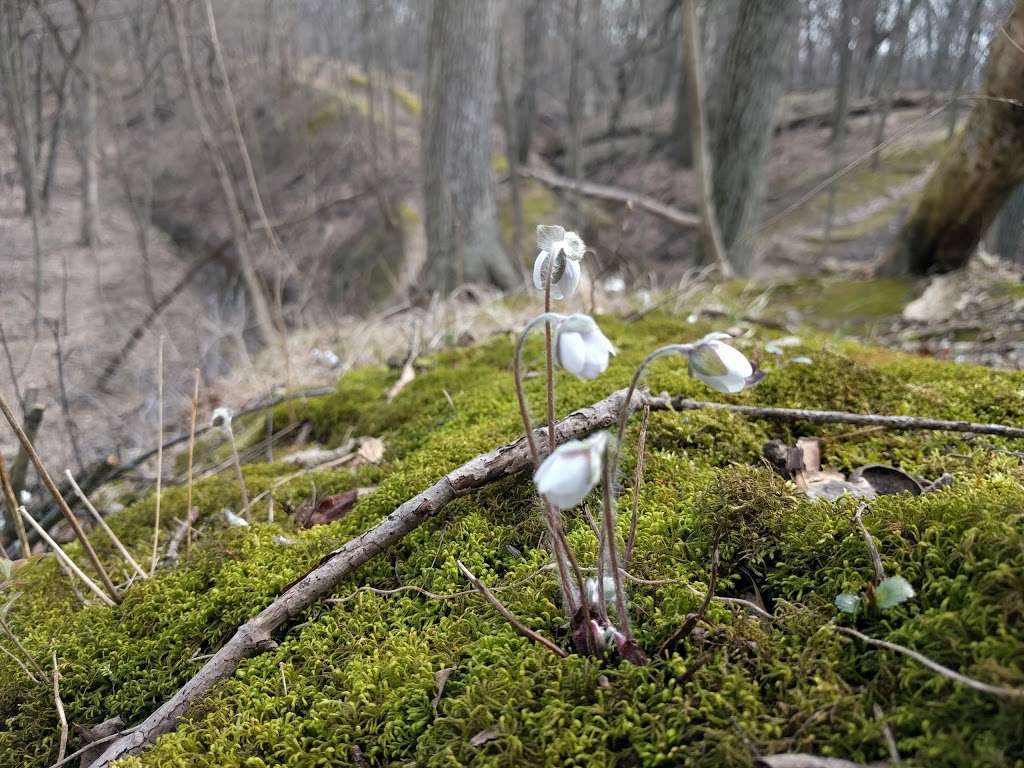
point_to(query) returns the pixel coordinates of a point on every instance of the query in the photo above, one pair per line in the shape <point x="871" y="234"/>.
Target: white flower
<point x="565" y="250"/>
<point x="581" y="348"/>
<point x="721" y="367"/>
<point x="26" y="497"/>
<point x="235" y="521"/>
<point x="222" y="419"/>
<point x="609" y="590"/>
<point x="326" y="358"/>
<point x="571" y="472"/>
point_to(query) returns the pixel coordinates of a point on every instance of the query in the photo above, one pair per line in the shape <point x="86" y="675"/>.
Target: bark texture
<point x="976" y="174"/>
<point x="463" y="244"/>
<point x="751" y="86"/>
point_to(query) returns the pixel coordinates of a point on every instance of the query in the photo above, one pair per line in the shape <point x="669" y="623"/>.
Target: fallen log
<point x="256" y="635"/>
<point x="680" y="218"/>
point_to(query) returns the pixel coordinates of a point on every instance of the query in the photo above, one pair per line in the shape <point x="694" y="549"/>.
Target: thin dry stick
<point x="21" y="664"/>
<point x="103" y="524"/>
<point x="549" y="353"/>
<point x="68" y="562"/>
<point x="890" y="740"/>
<point x="12" y="507"/>
<point x="638" y="479"/>
<point x="191" y="454"/>
<point x="60" y="711"/>
<point x="510" y="617"/>
<point x="691" y="621"/>
<point x="970" y="682"/>
<point x="242" y="490"/>
<point x="876" y="559"/>
<point x="59" y="499"/>
<point x="160" y="450"/>
<point x="6" y="629"/>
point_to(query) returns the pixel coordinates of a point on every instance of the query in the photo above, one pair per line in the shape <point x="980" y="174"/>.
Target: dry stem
<point x="191" y="454"/>
<point x="60" y="711"/>
<point x="103" y="524"/>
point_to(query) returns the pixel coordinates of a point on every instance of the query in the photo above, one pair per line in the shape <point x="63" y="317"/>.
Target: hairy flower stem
<point x="610" y="555"/>
<point x="549" y="357"/>
<point x="238" y="473"/>
<point x="517" y="374"/>
<point x="681" y="349"/>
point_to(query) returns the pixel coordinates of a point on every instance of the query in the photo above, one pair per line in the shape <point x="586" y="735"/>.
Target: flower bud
<point x="720" y="366"/>
<point x="222" y="419"/>
<point x="566" y="476"/>
<point x="581" y="348"/>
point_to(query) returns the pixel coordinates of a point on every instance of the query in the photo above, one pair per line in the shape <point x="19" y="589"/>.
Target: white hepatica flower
<point x="721" y="367"/>
<point x="609" y="590"/>
<point x="581" y="348"/>
<point x="571" y="472"/>
<point x="563" y="249"/>
<point x="222" y="419"/>
<point x="25" y="496"/>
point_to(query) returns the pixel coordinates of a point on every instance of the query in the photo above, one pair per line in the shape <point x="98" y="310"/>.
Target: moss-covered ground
<point x="353" y="681"/>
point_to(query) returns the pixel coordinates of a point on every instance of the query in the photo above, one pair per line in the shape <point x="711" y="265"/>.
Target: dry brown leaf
<point x="482" y="737"/>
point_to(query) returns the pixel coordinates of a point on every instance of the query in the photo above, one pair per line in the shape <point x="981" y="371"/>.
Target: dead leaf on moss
<point x="327" y="509"/>
<point x="440" y="681"/>
<point x="487" y="734"/>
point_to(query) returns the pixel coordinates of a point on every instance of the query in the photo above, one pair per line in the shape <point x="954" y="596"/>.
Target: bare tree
<point x="889" y="79"/>
<point x="976" y="174"/>
<point x="458" y="186"/>
<point x="750" y="88"/>
<point x="966" y="62"/>
<point x="214" y="151"/>
<point x="711" y="237"/>
<point x="88" y="148"/>
<point x="841" y="115"/>
<point x="534" y="30"/>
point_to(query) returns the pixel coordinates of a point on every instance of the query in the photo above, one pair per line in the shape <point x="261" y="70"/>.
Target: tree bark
<point x="842" y="112"/>
<point x="711" y="237"/>
<point x="534" y="28"/>
<point x="88" y="151"/>
<point x="1010" y="228"/>
<point x="682" y="121"/>
<point x="751" y="86"/>
<point x="257" y="294"/>
<point x="976" y="174"/>
<point x="458" y="188"/>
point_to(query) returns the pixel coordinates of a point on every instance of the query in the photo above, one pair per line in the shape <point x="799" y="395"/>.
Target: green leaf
<point x="893" y="591"/>
<point x="847" y="602"/>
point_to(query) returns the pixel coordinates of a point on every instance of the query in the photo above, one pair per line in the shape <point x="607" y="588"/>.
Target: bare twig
<point x="876" y="559"/>
<point x="12" y="509"/>
<point x="970" y="682"/>
<point x="638" y="478"/>
<point x="181" y="533"/>
<point x="409" y="367"/>
<point x="96" y="516"/>
<point x="890" y="740"/>
<point x="160" y="450"/>
<point x="191" y="454"/>
<point x="10" y="367"/>
<point x="68" y="562"/>
<point x="694" y="618"/>
<point x="21" y="664"/>
<point x="29" y="449"/>
<point x="510" y="617"/>
<point x="60" y="711"/>
<point x="9" y="633"/>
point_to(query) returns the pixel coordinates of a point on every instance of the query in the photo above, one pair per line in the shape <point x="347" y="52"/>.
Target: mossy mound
<point x="354" y="680"/>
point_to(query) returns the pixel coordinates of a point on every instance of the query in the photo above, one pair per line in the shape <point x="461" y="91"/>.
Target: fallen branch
<point x="799" y="760"/>
<point x="970" y="682"/>
<point x="680" y="218"/>
<point x="255" y="636"/>
<point x="843" y="417"/>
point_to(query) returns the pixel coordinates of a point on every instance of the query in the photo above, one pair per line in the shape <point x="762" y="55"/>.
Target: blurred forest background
<point x="283" y="190"/>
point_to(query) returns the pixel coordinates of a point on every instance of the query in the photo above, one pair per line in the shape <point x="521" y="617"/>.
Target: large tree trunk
<point x="751" y="85"/>
<point x="976" y="174"/>
<point x="1009" y="234"/>
<point x="682" y="138"/>
<point x="461" y="214"/>
<point x="534" y="29"/>
<point x="88" y="148"/>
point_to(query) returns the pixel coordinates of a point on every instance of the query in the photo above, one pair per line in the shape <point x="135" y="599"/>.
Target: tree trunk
<point x="534" y="29"/>
<point x="964" y="65"/>
<point x="255" y="289"/>
<point x="711" y="236"/>
<point x="1010" y="228"/>
<point x="889" y="80"/>
<point x="939" y="75"/>
<point x="575" y="110"/>
<point x="88" y="149"/>
<point x="751" y="85"/>
<point x="841" y="117"/>
<point x="977" y="173"/>
<point x="458" y="189"/>
<point x="682" y="137"/>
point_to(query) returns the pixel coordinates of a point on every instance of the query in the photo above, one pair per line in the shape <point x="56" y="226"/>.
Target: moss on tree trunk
<point x="977" y="173"/>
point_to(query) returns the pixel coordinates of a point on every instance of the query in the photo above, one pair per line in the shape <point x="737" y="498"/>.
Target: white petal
<point x="573" y="246"/>
<point x="732" y="383"/>
<point x="548" y="235"/>
<point x="570" y="280"/>
<point x="734" y="360"/>
<point x="572" y="352"/>
<point x="538" y="270"/>
<point x="597" y="363"/>
<point x="565" y="481"/>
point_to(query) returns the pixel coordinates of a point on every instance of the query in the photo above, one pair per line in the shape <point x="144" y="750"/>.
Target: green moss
<point x="359" y="672"/>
